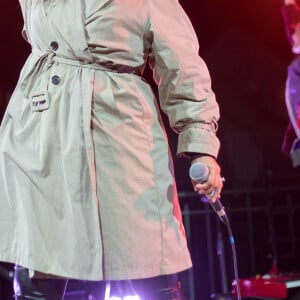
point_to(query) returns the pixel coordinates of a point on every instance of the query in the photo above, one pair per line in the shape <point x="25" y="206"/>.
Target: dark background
<point x="247" y="52"/>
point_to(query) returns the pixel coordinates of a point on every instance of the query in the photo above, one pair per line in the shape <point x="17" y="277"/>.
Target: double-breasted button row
<point x="54" y="45"/>
<point x="55" y="79"/>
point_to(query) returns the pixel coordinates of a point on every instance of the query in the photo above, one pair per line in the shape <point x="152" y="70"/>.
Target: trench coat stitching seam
<point x="156" y="183"/>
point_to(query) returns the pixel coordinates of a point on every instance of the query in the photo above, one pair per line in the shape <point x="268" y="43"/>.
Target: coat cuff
<point x="198" y="140"/>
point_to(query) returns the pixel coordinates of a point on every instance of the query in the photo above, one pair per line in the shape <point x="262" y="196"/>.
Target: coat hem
<point x="113" y="275"/>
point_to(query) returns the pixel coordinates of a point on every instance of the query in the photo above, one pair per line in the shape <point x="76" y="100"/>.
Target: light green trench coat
<point x="86" y="179"/>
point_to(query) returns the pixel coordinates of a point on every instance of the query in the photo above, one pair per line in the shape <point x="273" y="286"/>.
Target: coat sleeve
<point x="183" y="79"/>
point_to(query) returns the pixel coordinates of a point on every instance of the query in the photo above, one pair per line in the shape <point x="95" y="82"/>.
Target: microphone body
<point x="199" y="172"/>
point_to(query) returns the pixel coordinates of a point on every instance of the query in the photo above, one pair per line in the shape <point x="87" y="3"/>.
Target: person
<point x="87" y="180"/>
<point x="291" y="141"/>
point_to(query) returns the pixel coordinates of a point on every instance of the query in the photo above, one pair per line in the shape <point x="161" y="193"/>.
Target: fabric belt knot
<point x="33" y="77"/>
<point x="39" y="99"/>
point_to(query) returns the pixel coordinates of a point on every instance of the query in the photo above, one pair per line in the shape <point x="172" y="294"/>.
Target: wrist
<point x="194" y="155"/>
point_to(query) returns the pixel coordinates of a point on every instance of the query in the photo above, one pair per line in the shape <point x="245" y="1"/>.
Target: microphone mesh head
<point x="199" y="172"/>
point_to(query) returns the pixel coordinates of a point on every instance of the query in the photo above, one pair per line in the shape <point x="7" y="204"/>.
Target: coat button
<point x="55" y="79"/>
<point x="54" y="45"/>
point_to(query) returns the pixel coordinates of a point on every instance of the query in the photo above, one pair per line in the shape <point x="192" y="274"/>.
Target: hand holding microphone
<point x="206" y="179"/>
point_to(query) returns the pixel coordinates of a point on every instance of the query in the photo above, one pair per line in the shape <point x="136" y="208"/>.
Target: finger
<point x="216" y="194"/>
<point x="202" y="188"/>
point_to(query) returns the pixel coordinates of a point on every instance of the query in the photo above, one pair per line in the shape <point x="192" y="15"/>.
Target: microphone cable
<point x="199" y="172"/>
<point x="225" y="220"/>
<point x="234" y="257"/>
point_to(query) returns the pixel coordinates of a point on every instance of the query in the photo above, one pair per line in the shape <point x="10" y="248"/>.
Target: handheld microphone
<point x="199" y="172"/>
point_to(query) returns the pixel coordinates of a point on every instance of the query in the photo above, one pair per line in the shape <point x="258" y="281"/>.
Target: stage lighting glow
<point x="107" y="295"/>
<point x="136" y="297"/>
